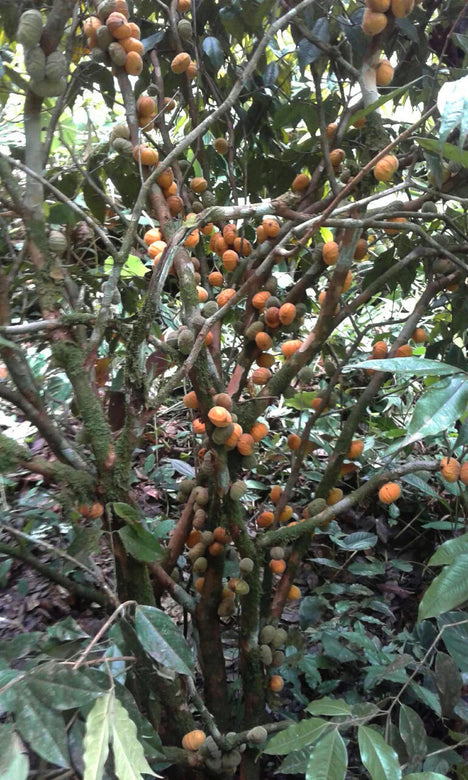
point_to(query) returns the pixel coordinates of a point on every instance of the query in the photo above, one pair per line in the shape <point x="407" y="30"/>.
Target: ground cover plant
<point x="234" y="389"/>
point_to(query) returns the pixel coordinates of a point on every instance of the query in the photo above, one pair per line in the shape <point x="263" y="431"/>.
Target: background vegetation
<point x="234" y="385"/>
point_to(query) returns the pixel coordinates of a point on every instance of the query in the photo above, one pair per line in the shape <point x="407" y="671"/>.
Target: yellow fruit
<point x="373" y="23"/>
<point x="334" y="495"/>
<point x="193" y="740"/>
<point x="389" y="492"/>
<point x="386" y="167"/>
<point x="402" y="8"/>
<point x="384" y="73"/>
<point x="294" y="592"/>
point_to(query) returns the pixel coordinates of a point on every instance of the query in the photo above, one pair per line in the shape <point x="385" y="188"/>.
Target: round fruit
<point x="334" y="495"/>
<point x="192" y="70"/>
<point x="386" y="167"/>
<point x="276" y="683"/>
<point x="257" y="735"/>
<point x="237" y="489"/>
<point x="225" y="296"/>
<point x="245" y="444"/>
<point x="384" y="73"/>
<point x="181" y="62"/>
<point x="230" y="259"/>
<point x="183" y="6"/>
<point x="265" y="519"/>
<point x="379" y="6"/>
<point x="392" y="231"/>
<point x="271" y="227"/>
<point x="379" y="350"/>
<point x="361" y="249"/>
<point x="389" y="492"/>
<point x="146" y="154"/>
<point x="402" y="8"/>
<point x="193" y="740"/>
<point x="373" y="23"/>
<point x="336" y="157"/>
<point x="259" y="299"/>
<point x="221" y="145"/>
<point x="198" y="184"/>
<point x="356" y="449"/>
<point x="406" y="350"/>
<point x="301" y="182"/>
<point x="331" y="129"/>
<point x="261" y="376"/>
<point x="242" y="246"/>
<point x="419" y="336"/>
<point x="464" y="473"/>
<point x="263" y="340"/>
<point x="288" y="348"/>
<point x="219" y="416"/>
<point x="30" y="28"/>
<point x="330" y="252"/>
<point x="133" y="63"/>
<point x="294" y="441"/>
<point x="258" y="431"/>
<point x="272" y="316"/>
<point x="57" y="242"/>
<point x="135" y="45"/>
<point x="190" y="400"/>
<point x="450" y="469"/>
<point x="287" y="313"/>
<point x="286" y="514"/>
<point x="275" y="494"/>
<point x="277" y="567"/>
<point x="294" y="593"/>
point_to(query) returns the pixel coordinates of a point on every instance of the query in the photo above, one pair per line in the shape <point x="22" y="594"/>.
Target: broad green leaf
<point x="413" y="734"/>
<point x="129" y="757"/>
<point x="448" y="681"/>
<point x="126" y="512"/>
<point x="429" y="698"/>
<point x="447" y="591"/>
<point x="43" y="729"/>
<point x="426" y="776"/>
<point x="409" y="365"/>
<point x="449" y="551"/>
<point x="214" y="51"/>
<point x="328" y="758"/>
<point x="14" y="762"/>
<point x="359" y="540"/>
<point x="395" y="93"/>
<point x="295" y="762"/>
<point x="452" y="102"/>
<point x="141" y="544"/>
<point x="296" y="737"/>
<point x="61" y="688"/>
<point x="328" y="706"/>
<point x="162" y="640"/>
<point x="380" y="760"/>
<point x="132" y="267"/>
<point x="96" y="741"/>
<point x="455" y="638"/>
<point x="449" y="151"/>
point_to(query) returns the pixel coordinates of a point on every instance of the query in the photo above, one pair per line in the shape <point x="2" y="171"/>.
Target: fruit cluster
<point x="377" y="13"/>
<point x="48" y="73"/>
<point x="113" y="39"/>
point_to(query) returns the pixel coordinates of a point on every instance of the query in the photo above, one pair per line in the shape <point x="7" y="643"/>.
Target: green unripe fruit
<point x="306" y="374"/>
<point x="249" y="462"/>
<point x="117" y="54"/>
<point x="201" y="495"/>
<point x="98" y="55"/>
<point x="184" y="28"/>
<point x="210" y="308"/>
<point x="197" y="207"/>
<point x="277" y="553"/>
<point x="185" y="341"/>
<point x="48" y="88"/>
<point x="230" y="760"/>
<point x="266" y="656"/>
<point x="207" y="466"/>
<point x="197" y="551"/>
<point x="271" y="284"/>
<point x="242" y="588"/>
<point x="30" y="29"/>
<point x="279" y="638"/>
<point x="208" y="199"/>
<point x="186" y="486"/>
<point x="246" y="565"/>
<point x="104" y="37"/>
<point x="253" y="329"/>
<point x="57" y="242"/>
<point x="429" y="207"/>
<point x="266" y="634"/>
<point x="443" y="266"/>
<point x="237" y="489"/>
<point x="125" y="149"/>
<point x="220" y="435"/>
<point x="175" y="575"/>
<point x="207" y="537"/>
<point x="316" y="506"/>
<point x="257" y="735"/>
<point x="214" y="765"/>
<point x="181" y="497"/>
<point x="301" y="309"/>
<point x="199" y="517"/>
<point x="105" y="8"/>
<point x="56" y="66"/>
<point x="329" y="367"/>
<point x="210" y="748"/>
<point x="272" y="301"/>
<point x="170" y="336"/>
<point x="35" y="63"/>
<point x="200" y="565"/>
<point x="122" y="131"/>
<point x="278" y="658"/>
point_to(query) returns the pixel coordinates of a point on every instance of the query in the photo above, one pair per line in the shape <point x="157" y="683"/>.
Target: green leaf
<point x="359" y="540"/>
<point x="42" y="728"/>
<point x="129" y="757"/>
<point x="448" y="590"/>
<point x="449" y="151"/>
<point x="295" y="763"/>
<point x="449" y="551"/>
<point x="455" y="638"/>
<point x="14" y="762"/>
<point x="452" y="102"/>
<point x="426" y="776"/>
<point x="413" y="733"/>
<point x="141" y="544"/>
<point x="409" y="365"/>
<point x="214" y="51"/>
<point x="96" y="741"/>
<point x="449" y="683"/>
<point x="126" y="512"/>
<point x="328" y="758"/>
<point x="429" y="698"/>
<point x="296" y="737"/>
<point x="132" y="267"/>
<point x="61" y="688"/>
<point x="380" y="760"/>
<point x="162" y="640"/>
<point x="329" y="706"/>
<point x="395" y="93"/>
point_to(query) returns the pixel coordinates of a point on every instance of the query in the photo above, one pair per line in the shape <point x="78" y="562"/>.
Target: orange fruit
<point x="294" y="441"/>
<point x="224" y="296"/>
<point x="450" y="469"/>
<point x="419" y="335"/>
<point x="190" y="400"/>
<point x="287" y="313"/>
<point x="286" y="514"/>
<point x="242" y="246"/>
<point x="219" y="416"/>
<point x="215" y="278"/>
<point x="230" y="259"/>
<point x="245" y="444"/>
<point x="301" y="182"/>
<point x="356" y="449"/>
<point x="146" y="154"/>
<point x="334" y="495"/>
<point x="288" y="348"/>
<point x="294" y="592"/>
<point x="194" y="739"/>
<point x="199" y="426"/>
<point x="151" y="235"/>
<point x="265" y="519"/>
<point x="386" y="167"/>
<point x="263" y="340"/>
<point x="277" y="567"/>
<point x="336" y="157"/>
<point x="373" y="23"/>
<point x="330" y="252"/>
<point x="379" y="350"/>
<point x="276" y="683"/>
<point x="135" y="45"/>
<point x="259" y="299"/>
<point x="261" y="376"/>
<point x="198" y="184"/>
<point x="275" y="493"/>
<point x="406" y="350"/>
<point x="181" y="62"/>
<point x="389" y="492"/>
<point x="271" y="227"/>
<point x="259" y="430"/>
